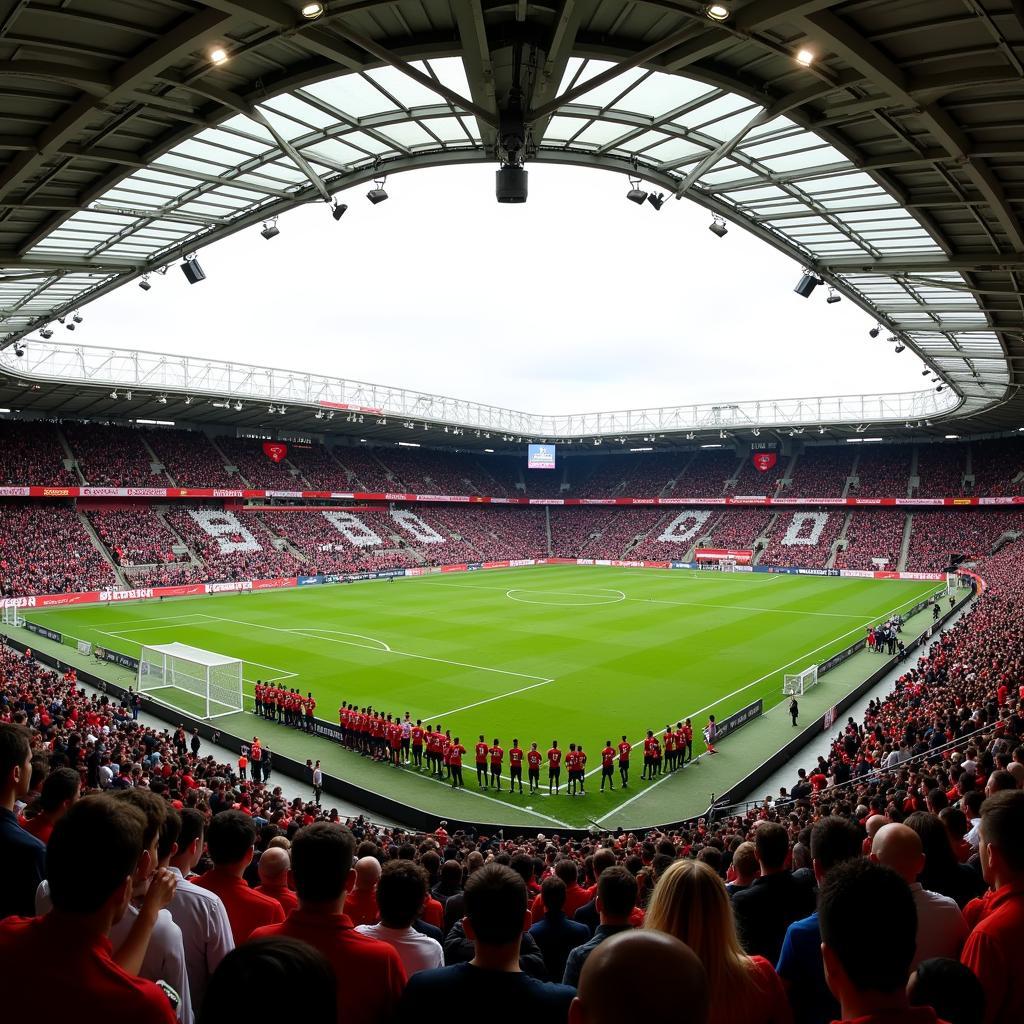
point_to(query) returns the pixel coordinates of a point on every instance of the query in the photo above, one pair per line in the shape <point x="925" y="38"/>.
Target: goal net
<point x="12" y="616"/>
<point x="214" y="678"/>
<point x="795" y="685"/>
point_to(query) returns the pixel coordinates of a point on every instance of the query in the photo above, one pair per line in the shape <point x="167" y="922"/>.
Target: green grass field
<point x="552" y="652"/>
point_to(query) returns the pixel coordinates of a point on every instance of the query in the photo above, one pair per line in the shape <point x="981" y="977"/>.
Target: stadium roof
<point x="880" y="145"/>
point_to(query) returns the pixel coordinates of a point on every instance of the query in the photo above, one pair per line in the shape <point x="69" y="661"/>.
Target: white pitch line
<point x="768" y="675"/>
<point x="401" y="654"/>
<point x="488" y="700"/>
<point x="159" y="618"/>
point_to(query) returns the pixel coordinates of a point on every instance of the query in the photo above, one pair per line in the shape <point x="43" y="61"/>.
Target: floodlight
<point x="717" y="227"/>
<point x="162" y="399"/>
<point x="900" y="348"/>
<point x="218" y="55"/>
<point x="657" y="201"/>
<point x="192" y="270"/>
<point x="270" y="229"/>
<point x="70" y="327"/>
<point x="377" y="194"/>
<point x="238" y="406"/>
<point x="19" y="350"/>
<point x="113" y="395"/>
<point x="338" y="210"/>
<point x="925" y="372"/>
<point x="875" y="331"/>
<point x="636" y="195"/>
<point x="510" y="184"/>
<point x="805" y="57"/>
<point x="312" y="10"/>
<point x="77" y="317"/>
<point x="833" y="298"/>
<point x="46" y="333"/>
<point x="144" y="283"/>
<point x="807" y="283"/>
<point x="940" y="387"/>
<point x="717" y="12"/>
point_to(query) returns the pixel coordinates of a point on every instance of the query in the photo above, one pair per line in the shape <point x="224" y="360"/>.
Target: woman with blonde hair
<point x="690" y="902"/>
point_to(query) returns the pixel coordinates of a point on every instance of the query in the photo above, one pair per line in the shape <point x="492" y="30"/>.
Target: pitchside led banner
<point x="540" y="456"/>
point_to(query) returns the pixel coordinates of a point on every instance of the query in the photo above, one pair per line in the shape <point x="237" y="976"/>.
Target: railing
<point x="163" y="373"/>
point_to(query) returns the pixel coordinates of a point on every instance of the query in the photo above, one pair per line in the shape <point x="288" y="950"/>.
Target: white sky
<point x="578" y="300"/>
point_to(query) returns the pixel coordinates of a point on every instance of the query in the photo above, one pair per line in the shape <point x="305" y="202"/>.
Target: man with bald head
<point x="361" y="904"/>
<point x="941" y="929"/>
<point x="274" y="866"/>
<point x="871" y="826"/>
<point x="634" y="975"/>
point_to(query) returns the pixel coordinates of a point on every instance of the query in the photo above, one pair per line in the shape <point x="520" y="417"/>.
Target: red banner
<point x="275" y="450"/>
<point x="763" y="461"/>
<point x="742" y="556"/>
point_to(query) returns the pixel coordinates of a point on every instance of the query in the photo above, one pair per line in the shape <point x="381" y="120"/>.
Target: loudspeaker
<point x="510" y="184"/>
<point x="193" y="272"/>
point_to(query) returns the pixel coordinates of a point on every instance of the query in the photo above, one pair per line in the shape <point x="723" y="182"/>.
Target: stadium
<point x="437" y="633"/>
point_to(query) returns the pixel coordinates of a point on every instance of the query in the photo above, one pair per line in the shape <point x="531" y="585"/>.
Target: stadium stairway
<point x="840" y="543"/>
<point x="102" y="548"/>
<point x="670" y="485"/>
<point x="547" y="526"/>
<point x="786" y="480"/>
<point x="194" y="559"/>
<point x="70" y="462"/>
<point x="914" y="480"/>
<point x="227" y="462"/>
<point x="908" y="529"/>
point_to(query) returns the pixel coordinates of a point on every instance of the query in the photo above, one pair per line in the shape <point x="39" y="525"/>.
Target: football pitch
<point x="574" y="653"/>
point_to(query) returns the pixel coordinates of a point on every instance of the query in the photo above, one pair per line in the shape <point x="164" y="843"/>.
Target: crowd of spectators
<point x="111" y="456"/>
<point x="751" y="480"/>
<point x="872" y="533"/>
<point x="821" y="471"/>
<point x="45" y="549"/>
<point x="937" y="536"/>
<point x="787" y="542"/>
<point x="940" y="470"/>
<point x="997" y="466"/>
<point x="887" y="882"/>
<point x="586" y="531"/>
<point x="319" y="469"/>
<point x="706" y="474"/>
<point x="135" y="536"/>
<point x="31" y="453"/>
<point x="255" y="467"/>
<point x="883" y="471"/>
<point x="190" y="459"/>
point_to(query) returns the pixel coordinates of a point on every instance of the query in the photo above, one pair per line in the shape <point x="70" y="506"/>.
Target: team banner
<point x="763" y="461"/>
<point x="275" y="450"/>
<point x="742" y="556"/>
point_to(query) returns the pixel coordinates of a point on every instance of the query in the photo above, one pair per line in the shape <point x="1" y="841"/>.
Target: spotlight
<point x="657" y="201"/>
<point x="188" y="399"/>
<point x="46" y="332"/>
<point x="377" y="194"/>
<point x="144" y="283"/>
<point x="191" y="269"/>
<point x="312" y="10"/>
<point x="162" y="399"/>
<point x="875" y="331"/>
<point x="717" y="12"/>
<point x="807" y="283"/>
<point x="941" y="387"/>
<point x="77" y="317"/>
<point x="282" y="410"/>
<point x="271" y="409"/>
<point x="270" y="229"/>
<point x="900" y="348"/>
<point x="717" y="227"/>
<point x="19" y="351"/>
<point x="821" y="430"/>
<point x="70" y="327"/>
<point x="756" y="432"/>
<point x="60" y="319"/>
<point x="338" y="210"/>
<point x="805" y="58"/>
<point x="114" y="395"/>
<point x="833" y="298"/>
<point x="925" y="372"/>
<point x="510" y="184"/>
<point x="128" y="395"/>
<point x="218" y="55"/>
<point x="238" y="406"/>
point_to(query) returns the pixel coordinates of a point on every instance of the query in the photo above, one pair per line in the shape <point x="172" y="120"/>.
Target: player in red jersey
<point x="416" y="733"/>
<point x="711" y="734"/>
<point x="607" y="765"/>
<point x="649" y="744"/>
<point x="395" y="742"/>
<point x="310" y="708"/>
<point x="533" y="760"/>
<point x="657" y="756"/>
<point x="497" y="755"/>
<point x="515" y="766"/>
<point x="446" y="745"/>
<point x="554" y="767"/>
<point x="257" y="696"/>
<point x="572" y="768"/>
<point x="625" y="747"/>
<point x="481" y="763"/>
<point x="688" y="741"/>
<point x="455" y="752"/>
<point x="668" y="742"/>
<point x="582" y="769"/>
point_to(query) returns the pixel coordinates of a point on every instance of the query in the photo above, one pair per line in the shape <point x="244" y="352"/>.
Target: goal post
<point x="797" y="684"/>
<point x="13" y="616"/>
<point x="214" y="678"/>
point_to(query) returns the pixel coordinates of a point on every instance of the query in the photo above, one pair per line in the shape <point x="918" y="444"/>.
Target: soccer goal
<point x="214" y="678"/>
<point x="796" y="685"/>
<point x="12" y="616"/>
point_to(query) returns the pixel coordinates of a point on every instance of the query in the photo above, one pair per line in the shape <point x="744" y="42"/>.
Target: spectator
<point x="496" y="911"/>
<point x="616" y="901"/>
<point x="575" y="895"/>
<point x="198" y="912"/>
<point x="834" y="840"/>
<point x="361" y="902"/>
<point x="867" y="967"/>
<point x="22" y="854"/>
<point x="60" y="790"/>
<point x="401" y="894"/>
<point x="996" y="921"/>
<point x="942" y="873"/>
<point x="774" y="900"/>
<point x="940" y="925"/>
<point x="950" y="989"/>
<point x="231" y="840"/>
<point x="90" y="863"/>
<point x="744" y="868"/>
<point x="638" y="975"/>
<point x="369" y="974"/>
<point x="279" y="970"/>
<point x="690" y="902"/>
<point x="554" y="932"/>
<point x="274" y="868"/>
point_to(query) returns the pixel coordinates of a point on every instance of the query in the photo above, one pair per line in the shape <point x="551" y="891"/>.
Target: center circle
<point x="592" y="599"/>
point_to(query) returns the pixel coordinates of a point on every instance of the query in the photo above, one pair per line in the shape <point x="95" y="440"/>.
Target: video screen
<point x="540" y="456"/>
